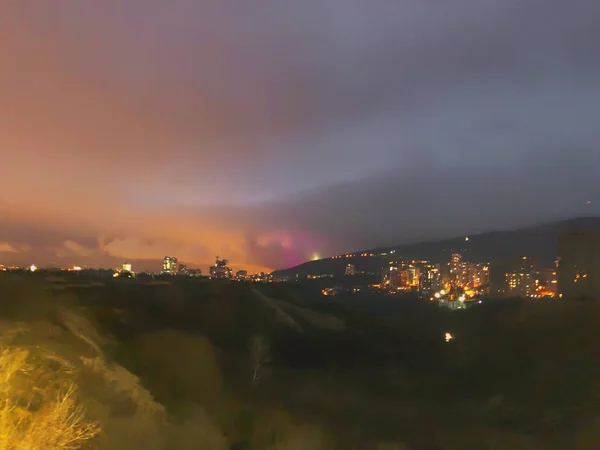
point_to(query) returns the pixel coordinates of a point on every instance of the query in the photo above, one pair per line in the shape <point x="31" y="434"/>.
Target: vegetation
<point x="129" y="365"/>
<point x="259" y="352"/>
<point x="39" y="404"/>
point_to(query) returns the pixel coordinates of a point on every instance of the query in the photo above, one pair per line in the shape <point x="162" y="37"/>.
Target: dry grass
<point x="121" y="380"/>
<point x="39" y="406"/>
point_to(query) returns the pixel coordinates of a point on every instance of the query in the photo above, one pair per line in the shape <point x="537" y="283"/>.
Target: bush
<point x="178" y="367"/>
<point x="39" y="405"/>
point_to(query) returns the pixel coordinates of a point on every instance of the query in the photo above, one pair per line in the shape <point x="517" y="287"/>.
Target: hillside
<point x="539" y="242"/>
<point x="169" y="366"/>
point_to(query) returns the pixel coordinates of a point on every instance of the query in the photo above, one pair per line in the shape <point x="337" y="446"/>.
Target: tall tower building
<point x="221" y="269"/>
<point x="579" y="264"/>
<point x="455" y="262"/>
<point x="458" y="271"/>
<point x="169" y="265"/>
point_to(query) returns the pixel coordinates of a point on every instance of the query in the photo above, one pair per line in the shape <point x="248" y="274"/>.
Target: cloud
<point x="78" y="249"/>
<point x="155" y="250"/>
<point x="273" y="250"/>
<point x="5" y="247"/>
<point x="270" y="131"/>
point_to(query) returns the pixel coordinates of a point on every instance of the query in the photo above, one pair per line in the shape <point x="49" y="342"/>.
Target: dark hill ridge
<point x="539" y="242"/>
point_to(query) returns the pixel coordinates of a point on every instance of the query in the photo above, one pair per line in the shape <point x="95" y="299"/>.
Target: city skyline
<point x="273" y="132"/>
<point x="456" y="283"/>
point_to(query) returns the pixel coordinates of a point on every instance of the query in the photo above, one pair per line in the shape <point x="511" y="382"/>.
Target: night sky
<point x="266" y="131"/>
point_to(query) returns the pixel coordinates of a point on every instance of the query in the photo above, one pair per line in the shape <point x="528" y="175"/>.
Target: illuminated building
<point x="547" y="283"/>
<point x="194" y="272"/>
<point x="169" y="265"/>
<point x="413" y="275"/>
<point x="385" y="278"/>
<point x="262" y="278"/>
<point x="579" y="264"/>
<point x="402" y="276"/>
<point x="459" y="275"/>
<point x="183" y="270"/>
<point x="430" y="278"/>
<point x="241" y="275"/>
<point x="126" y="267"/>
<point x="452" y="304"/>
<point x="319" y="276"/>
<point x="455" y="262"/>
<point x="521" y="279"/>
<point x="350" y="269"/>
<point x="513" y="280"/>
<point x="477" y="275"/>
<point x="397" y="278"/>
<point x="221" y="270"/>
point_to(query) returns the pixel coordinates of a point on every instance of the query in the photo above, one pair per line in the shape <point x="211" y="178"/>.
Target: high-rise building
<point x="169" y="265"/>
<point x="221" y="269"/>
<point x="398" y="278"/>
<point x="579" y="264"/>
<point x="430" y="278"/>
<point x="459" y="273"/>
<point x="413" y="277"/>
<point x="402" y="276"/>
<point x="350" y="269"/>
<point x="477" y="275"/>
<point x="521" y="278"/>
<point x="126" y="267"/>
<point x="455" y="261"/>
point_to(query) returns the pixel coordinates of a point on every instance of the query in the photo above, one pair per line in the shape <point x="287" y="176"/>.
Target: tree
<point x="260" y="354"/>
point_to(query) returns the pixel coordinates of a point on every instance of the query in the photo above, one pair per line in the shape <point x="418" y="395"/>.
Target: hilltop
<point x="539" y="242"/>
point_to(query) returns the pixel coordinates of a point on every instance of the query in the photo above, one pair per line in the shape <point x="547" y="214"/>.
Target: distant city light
<point x="467" y="238"/>
<point x="33" y="268"/>
<point x="448" y="337"/>
<point x="316" y="257"/>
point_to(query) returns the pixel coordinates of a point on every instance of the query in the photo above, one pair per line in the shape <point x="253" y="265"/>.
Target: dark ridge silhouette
<point x="539" y="242"/>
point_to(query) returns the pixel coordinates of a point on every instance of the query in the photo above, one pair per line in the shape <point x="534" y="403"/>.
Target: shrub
<point x="39" y="405"/>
